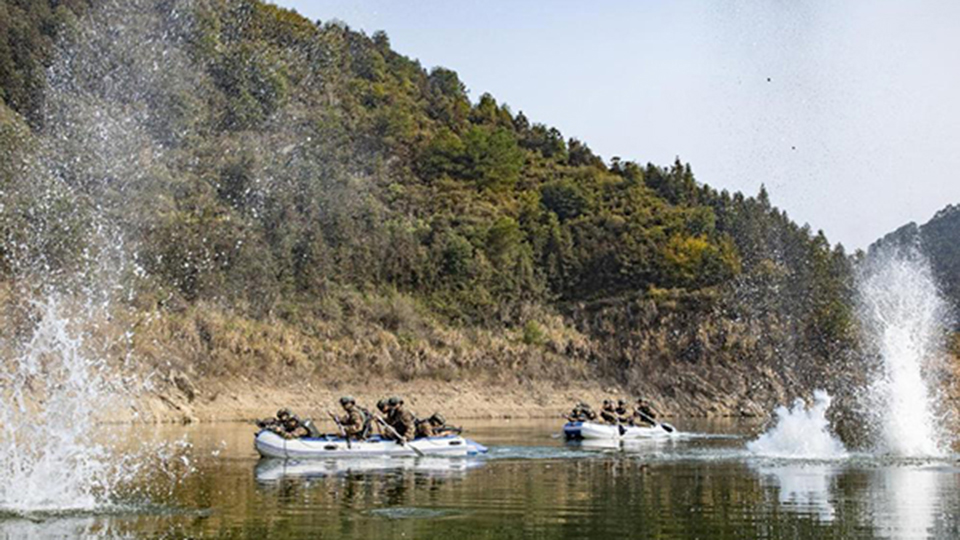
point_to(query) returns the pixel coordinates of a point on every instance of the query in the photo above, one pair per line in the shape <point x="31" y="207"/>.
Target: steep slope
<point x="304" y="203"/>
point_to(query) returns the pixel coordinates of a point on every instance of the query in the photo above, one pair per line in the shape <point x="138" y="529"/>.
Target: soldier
<point x="275" y="424"/>
<point x="293" y="429"/>
<point x="383" y="411"/>
<point x="581" y="413"/>
<point x="608" y="413"/>
<point x="643" y="413"/>
<point x="587" y="412"/>
<point x="623" y="414"/>
<point x="353" y="421"/>
<point x="434" y="426"/>
<point x="401" y="420"/>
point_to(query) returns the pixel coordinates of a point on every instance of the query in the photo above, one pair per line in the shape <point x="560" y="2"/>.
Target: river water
<point x="532" y="484"/>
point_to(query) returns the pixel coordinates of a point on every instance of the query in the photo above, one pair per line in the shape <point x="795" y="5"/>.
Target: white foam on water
<point x="904" y="319"/>
<point x="800" y="433"/>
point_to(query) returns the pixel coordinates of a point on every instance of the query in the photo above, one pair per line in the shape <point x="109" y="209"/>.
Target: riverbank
<point x="244" y="400"/>
<point x="183" y="401"/>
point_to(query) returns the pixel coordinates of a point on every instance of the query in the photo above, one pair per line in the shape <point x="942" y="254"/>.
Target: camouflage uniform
<point x="294" y="429"/>
<point x="276" y="423"/>
<point x="424" y="429"/>
<point x="435" y="426"/>
<point x="588" y="413"/>
<point x="383" y="411"/>
<point x="624" y="415"/>
<point x="403" y="422"/>
<point x="607" y="413"/>
<point x="644" y="414"/>
<point x="581" y="413"/>
<point x="352" y="422"/>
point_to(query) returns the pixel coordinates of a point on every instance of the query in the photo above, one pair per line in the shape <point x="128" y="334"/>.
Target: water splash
<point x="801" y="432"/>
<point x="52" y="391"/>
<point x="904" y="320"/>
<point x="65" y="302"/>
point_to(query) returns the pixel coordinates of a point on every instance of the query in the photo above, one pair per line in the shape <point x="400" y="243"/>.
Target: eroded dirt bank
<point x="243" y="400"/>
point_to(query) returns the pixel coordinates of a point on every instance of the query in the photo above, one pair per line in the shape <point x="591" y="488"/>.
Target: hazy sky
<point x="846" y="110"/>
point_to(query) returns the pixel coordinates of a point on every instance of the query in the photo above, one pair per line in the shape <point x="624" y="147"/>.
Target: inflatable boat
<point x="594" y="430"/>
<point x="269" y="444"/>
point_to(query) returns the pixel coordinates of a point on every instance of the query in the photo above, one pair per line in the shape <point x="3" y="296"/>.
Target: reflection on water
<point x="272" y="470"/>
<point x="804" y="488"/>
<point x="905" y="501"/>
<point x="533" y="485"/>
<point x="894" y="499"/>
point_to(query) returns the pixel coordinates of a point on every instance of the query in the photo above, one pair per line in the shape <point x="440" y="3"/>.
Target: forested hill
<point x="298" y="194"/>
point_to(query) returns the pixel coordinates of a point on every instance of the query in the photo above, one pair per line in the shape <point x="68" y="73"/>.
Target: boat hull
<point x="594" y="430"/>
<point x="271" y="445"/>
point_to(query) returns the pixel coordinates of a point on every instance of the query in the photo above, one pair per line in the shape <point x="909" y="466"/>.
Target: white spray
<point x="65" y="342"/>
<point x="904" y="318"/>
<point x="48" y="460"/>
<point x="801" y="433"/>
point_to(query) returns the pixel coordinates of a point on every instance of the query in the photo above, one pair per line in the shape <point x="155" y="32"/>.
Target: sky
<point x="846" y="111"/>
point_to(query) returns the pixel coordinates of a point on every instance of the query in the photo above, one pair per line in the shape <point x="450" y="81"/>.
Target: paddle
<point x="647" y="418"/>
<point x="620" y="427"/>
<point x="343" y="432"/>
<point x="403" y="442"/>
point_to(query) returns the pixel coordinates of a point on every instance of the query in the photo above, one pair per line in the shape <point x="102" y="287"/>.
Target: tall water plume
<point x="66" y="218"/>
<point x="904" y="322"/>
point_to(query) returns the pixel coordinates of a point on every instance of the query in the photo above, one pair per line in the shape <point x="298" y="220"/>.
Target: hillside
<point x="296" y="201"/>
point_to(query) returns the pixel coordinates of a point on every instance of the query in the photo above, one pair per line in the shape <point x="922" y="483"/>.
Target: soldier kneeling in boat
<point x="276" y="424"/>
<point x="294" y="429"/>
<point x="624" y="415"/>
<point x="608" y="412"/>
<point x="435" y="426"/>
<point x="403" y="422"/>
<point x="353" y="422"/>
<point x="582" y="412"/>
<point x="643" y="413"/>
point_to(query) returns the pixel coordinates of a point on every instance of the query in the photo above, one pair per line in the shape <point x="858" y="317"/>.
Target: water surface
<point x="531" y="485"/>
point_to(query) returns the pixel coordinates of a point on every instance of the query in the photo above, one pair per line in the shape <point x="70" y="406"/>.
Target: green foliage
<point x="533" y="334"/>
<point x="489" y="157"/>
<point x="27" y="34"/>
<point x="312" y="157"/>
<point x="253" y="82"/>
<point x="565" y="199"/>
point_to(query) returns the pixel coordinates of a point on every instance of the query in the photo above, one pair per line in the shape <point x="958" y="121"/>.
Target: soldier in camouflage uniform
<point x="276" y="424"/>
<point x="608" y="413"/>
<point x="624" y="415"/>
<point x="401" y="420"/>
<point x="643" y="413"/>
<point x="435" y="426"/>
<point x="293" y="429"/>
<point x="581" y="413"/>
<point x="383" y="410"/>
<point x="352" y="421"/>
